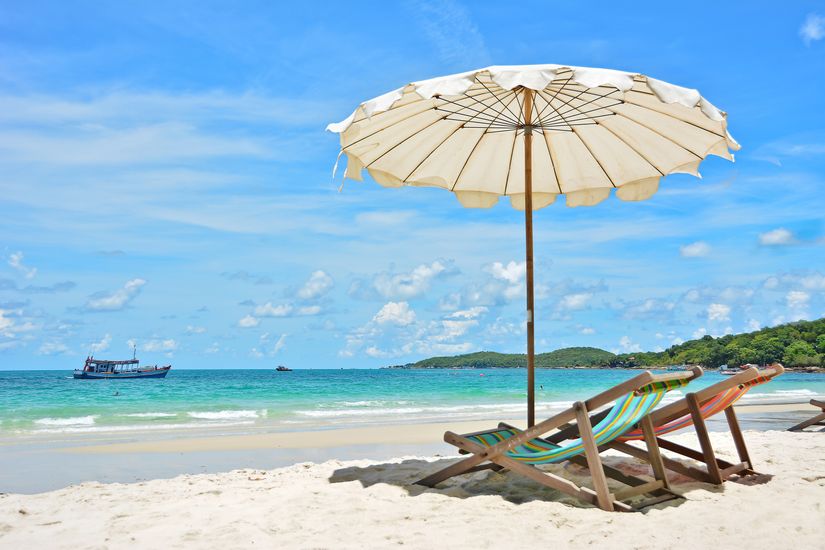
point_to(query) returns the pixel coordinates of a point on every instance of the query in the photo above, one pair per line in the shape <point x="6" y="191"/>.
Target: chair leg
<point x="656" y="463"/>
<point x="704" y="439"/>
<point x="594" y="463"/>
<point x="738" y="439"/>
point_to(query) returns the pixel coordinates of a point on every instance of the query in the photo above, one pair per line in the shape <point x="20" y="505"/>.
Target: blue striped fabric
<point x="625" y="413"/>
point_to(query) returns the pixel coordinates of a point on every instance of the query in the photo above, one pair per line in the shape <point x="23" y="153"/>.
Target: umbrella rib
<point x="552" y="161"/>
<point x="431" y="153"/>
<point x="660" y="134"/>
<point x="647" y="160"/>
<point x="560" y="114"/>
<point x="510" y="162"/>
<point x="561" y="87"/>
<point x="595" y="158"/>
<point x="428" y="126"/>
<point x="677" y="118"/>
<point x="485" y="117"/>
<point x="359" y="140"/>
<point x="504" y="106"/>
<point x="466" y="162"/>
<point x="578" y="108"/>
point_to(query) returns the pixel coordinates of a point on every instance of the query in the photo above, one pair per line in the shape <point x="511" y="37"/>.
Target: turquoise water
<point x="52" y="402"/>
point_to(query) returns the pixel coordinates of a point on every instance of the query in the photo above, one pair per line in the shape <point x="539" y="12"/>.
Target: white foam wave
<point x="503" y="408"/>
<point x="226" y="415"/>
<point x="149" y="415"/>
<point x="71" y="421"/>
<point x="136" y="427"/>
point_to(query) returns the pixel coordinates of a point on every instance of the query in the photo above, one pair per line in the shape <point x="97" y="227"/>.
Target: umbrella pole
<point x="528" y="234"/>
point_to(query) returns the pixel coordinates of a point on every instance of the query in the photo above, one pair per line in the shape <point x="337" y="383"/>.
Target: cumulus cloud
<point x="117" y="300"/>
<point x="777" y="237"/>
<point x="812" y="29"/>
<point x="409" y="285"/>
<point x="628" y="346"/>
<point x="248" y="321"/>
<point x="397" y="313"/>
<point x="16" y="262"/>
<point x="698" y="249"/>
<point x="575" y="302"/>
<point x="718" y="312"/>
<point x="190" y="329"/>
<point x="270" y="310"/>
<point x="587" y="330"/>
<point x="160" y="345"/>
<point x="102" y="345"/>
<point x="471" y="313"/>
<point x="650" y="308"/>
<point x="797" y="299"/>
<point x="53" y="348"/>
<point x="319" y="283"/>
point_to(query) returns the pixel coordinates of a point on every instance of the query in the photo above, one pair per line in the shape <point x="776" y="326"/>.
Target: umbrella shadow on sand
<point x="512" y="487"/>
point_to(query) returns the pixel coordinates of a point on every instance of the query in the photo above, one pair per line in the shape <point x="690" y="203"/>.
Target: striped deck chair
<point x="818" y="420"/>
<point x="520" y="451"/>
<point x="693" y="410"/>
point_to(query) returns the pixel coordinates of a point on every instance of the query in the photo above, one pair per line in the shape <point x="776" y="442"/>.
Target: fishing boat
<point x="281" y="368"/>
<point x="98" y="369"/>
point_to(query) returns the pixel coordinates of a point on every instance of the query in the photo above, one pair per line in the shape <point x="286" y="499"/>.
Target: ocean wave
<point x="149" y="415"/>
<point x="133" y="427"/>
<point x="71" y="421"/>
<point x="430" y="410"/>
<point x="226" y="415"/>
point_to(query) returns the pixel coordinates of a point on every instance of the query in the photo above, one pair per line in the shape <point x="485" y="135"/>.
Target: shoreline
<point x="37" y="464"/>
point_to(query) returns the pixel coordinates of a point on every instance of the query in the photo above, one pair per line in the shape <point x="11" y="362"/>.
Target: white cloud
<point x="319" y="283"/>
<point x="116" y="300"/>
<point x="158" y="344"/>
<point x="628" y="346"/>
<point x="279" y="344"/>
<point x="269" y="310"/>
<point x="309" y="310"/>
<point x="16" y="261"/>
<point x="699" y="332"/>
<point x="397" y="313"/>
<point x="650" y="308"/>
<point x="513" y="272"/>
<point x="471" y="313"/>
<point x="777" y="237"/>
<point x="698" y="249"/>
<point x="53" y="348"/>
<point x="718" y="312"/>
<point x="588" y="330"/>
<point x="797" y="299"/>
<point x="248" y="321"/>
<point x="575" y="302"/>
<point x="103" y="345"/>
<point x="213" y="348"/>
<point x="190" y="329"/>
<point x="813" y="28"/>
<point x="753" y="325"/>
<point x="408" y="285"/>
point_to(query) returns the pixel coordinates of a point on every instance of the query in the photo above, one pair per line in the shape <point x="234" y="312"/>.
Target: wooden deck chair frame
<point x="495" y="457"/>
<point x="818" y="420"/>
<point x="715" y="470"/>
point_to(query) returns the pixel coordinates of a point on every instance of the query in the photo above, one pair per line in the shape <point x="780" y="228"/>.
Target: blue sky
<point x="165" y="179"/>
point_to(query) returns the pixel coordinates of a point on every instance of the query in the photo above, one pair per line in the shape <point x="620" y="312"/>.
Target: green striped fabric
<point x="625" y="413"/>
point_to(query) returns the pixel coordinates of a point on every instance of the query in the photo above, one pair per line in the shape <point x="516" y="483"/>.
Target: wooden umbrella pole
<point x="528" y="233"/>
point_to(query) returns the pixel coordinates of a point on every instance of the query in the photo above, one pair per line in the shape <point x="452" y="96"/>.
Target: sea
<point x="52" y="402"/>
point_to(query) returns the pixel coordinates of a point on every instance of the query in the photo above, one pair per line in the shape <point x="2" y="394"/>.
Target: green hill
<point x="567" y="357"/>
<point x="797" y="344"/>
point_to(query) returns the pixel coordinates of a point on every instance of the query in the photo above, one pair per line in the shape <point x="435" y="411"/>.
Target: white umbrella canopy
<point x="531" y="133"/>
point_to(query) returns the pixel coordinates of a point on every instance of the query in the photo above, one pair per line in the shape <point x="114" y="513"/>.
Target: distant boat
<point x="99" y="369"/>
<point x="282" y="368"/>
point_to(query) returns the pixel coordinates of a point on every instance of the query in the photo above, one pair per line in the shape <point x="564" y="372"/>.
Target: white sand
<point x="364" y="504"/>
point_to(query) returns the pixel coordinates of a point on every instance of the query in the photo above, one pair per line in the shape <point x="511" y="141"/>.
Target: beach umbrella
<point x="531" y="133"/>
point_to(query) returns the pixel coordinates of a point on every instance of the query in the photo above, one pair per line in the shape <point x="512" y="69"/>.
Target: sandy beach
<point x="369" y="503"/>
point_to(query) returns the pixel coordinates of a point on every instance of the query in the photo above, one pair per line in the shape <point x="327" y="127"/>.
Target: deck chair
<point x="693" y="410"/>
<point x="520" y="451"/>
<point x="818" y="420"/>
